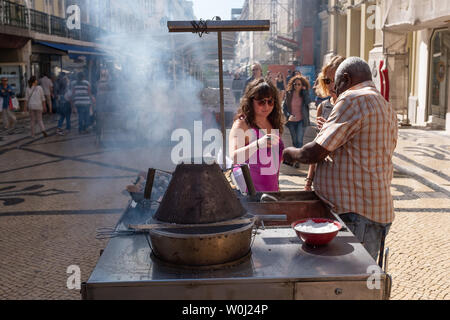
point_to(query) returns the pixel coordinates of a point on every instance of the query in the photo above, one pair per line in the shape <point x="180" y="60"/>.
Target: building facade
<point x="407" y="45"/>
<point x="419" y="31"/>
<point x="35" y="39"/>
<point x="295" y="37"/>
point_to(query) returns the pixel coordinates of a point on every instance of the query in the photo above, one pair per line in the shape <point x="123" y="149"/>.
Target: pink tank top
<point x="297" y="103"/>
<point x="265" y="166"/>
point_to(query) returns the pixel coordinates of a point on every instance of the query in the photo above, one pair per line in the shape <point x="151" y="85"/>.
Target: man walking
<point x="353" y="152"/>
<point x="82" y="99"/>
<point x="6" y="93"/>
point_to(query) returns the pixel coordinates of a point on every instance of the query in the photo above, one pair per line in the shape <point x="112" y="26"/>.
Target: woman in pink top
<point x="255" y="136"/>
<point x="296" y="108"/>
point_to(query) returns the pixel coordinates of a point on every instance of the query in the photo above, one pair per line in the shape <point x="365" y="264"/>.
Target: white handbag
<point x="15" y="103"/>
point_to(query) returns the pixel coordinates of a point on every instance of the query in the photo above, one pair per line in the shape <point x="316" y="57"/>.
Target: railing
<point x="38" y="21"/>
<point x="13" y="14"/>
<point x="16" y="15"/>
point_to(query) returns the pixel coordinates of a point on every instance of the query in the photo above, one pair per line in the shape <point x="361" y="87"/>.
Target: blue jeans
<point x="65" y="113"/>
<point x="83" y="118"/>
<point x="297" y="133"/>
<point x="368" y="232"/>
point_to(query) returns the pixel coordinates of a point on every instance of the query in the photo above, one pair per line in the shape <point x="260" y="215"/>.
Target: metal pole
<point x="222" y="103"/>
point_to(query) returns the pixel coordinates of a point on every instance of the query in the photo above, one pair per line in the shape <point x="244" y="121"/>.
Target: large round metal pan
<point x="202" y="246"/>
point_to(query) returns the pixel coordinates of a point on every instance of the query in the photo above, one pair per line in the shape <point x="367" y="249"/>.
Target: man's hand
<point x="290" y="155"/>
<point x="320" y="122"/>
<point x="310" y="154"/>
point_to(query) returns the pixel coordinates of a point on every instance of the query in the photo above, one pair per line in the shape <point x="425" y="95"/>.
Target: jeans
<point x="65" y="113"/>
<point x="297" y="133"/>
<point x="368" y="232"/>
<point x="83" y="118"/>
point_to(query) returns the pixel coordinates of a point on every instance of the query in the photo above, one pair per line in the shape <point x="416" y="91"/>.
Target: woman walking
<point x="255" y="136"/>
<point x="35" y="103"/>
<point x="296" y="109"/>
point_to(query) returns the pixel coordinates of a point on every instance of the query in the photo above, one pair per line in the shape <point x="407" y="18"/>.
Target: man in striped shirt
<point x="82" y="99"/>
<point x="353" y="152"/>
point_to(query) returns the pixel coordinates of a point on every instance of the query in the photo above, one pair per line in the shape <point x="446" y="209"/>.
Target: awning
<point x="289" y="43"/>
<point x="72" y="50"/>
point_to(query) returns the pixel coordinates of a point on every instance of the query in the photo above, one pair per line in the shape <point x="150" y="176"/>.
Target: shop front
<point x="438" y="102"/>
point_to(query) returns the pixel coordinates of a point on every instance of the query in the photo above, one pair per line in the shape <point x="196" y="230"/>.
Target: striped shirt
<point x="80" y="93"/>
<point x="361" y="135"/>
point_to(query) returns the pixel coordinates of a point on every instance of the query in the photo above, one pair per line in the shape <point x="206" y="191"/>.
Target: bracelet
<point x="309" y="179"/>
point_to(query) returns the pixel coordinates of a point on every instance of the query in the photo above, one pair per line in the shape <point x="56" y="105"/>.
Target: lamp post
<point x="219" y="26"/>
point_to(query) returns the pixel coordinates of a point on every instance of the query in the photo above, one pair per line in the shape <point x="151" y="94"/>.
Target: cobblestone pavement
<point x="55" y="193"/>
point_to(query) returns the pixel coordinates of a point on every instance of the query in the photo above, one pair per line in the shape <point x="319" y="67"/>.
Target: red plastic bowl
<point x="317" y="239"/>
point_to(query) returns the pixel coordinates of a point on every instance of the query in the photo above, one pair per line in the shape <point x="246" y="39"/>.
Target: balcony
<point x="18" y="16"/>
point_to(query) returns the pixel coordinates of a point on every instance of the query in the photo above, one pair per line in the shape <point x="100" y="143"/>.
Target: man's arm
<point x="310" y="154"/>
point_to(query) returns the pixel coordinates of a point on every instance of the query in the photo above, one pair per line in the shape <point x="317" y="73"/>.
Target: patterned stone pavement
<point x="55" y="193"/>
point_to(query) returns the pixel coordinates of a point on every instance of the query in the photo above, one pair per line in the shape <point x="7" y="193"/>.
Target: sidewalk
<point x="22" y="130"/>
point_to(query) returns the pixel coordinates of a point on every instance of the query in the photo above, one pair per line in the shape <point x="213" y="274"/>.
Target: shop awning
<point x="73" y="50"/>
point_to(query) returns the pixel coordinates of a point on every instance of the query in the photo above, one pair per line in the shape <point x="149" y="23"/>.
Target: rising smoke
<point x="154" y="94"/>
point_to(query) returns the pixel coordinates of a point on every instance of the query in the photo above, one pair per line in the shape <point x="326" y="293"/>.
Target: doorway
<point x="439" y="76"/>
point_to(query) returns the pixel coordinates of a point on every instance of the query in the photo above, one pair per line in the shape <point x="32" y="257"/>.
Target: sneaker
<point x="45" y="134"/>
<point x="60" y="132"/>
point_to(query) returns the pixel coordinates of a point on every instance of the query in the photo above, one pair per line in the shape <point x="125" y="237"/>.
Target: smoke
<point x="155" y="90"/>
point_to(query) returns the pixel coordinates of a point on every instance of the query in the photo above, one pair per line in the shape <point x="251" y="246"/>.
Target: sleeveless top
<point x="265" y="166"/>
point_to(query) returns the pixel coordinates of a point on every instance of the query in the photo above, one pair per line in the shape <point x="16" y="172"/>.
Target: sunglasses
<point x="262" y="102"/>
<point x="327" y="81"/>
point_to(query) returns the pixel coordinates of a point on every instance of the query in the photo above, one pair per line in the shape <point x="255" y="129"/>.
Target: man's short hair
<point x="354" y="66"/>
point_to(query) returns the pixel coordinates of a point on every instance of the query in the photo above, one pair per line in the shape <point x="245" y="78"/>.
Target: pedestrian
<point x="103" y="99"/>
<point x="82" y="99"/>
<point x="257" y="73"/>
<point x="35" y="104"/>
<point x="353" y="152"/>
<point x="289" y="76"/>
<point x="6" y="94"/>
<point x="47" y="85"/>
<point x="255" y="137"/>
<point x="324" y="88"/>
<point x="269" y="78"/>
<point x="296" y="109"/>
<point x="237" y="87"/>
<point x="64" y="106"/>
<point x="281" y="85"/>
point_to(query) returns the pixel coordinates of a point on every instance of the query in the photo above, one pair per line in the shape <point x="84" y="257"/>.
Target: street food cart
<point x="198" y="239"/>
<point x="275" y="263"/>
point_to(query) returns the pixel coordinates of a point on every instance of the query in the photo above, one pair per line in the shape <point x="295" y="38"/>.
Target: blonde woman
<point x="325" y="88"/>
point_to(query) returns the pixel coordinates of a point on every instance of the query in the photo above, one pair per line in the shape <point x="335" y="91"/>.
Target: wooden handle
<point x="149" y="184"/>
